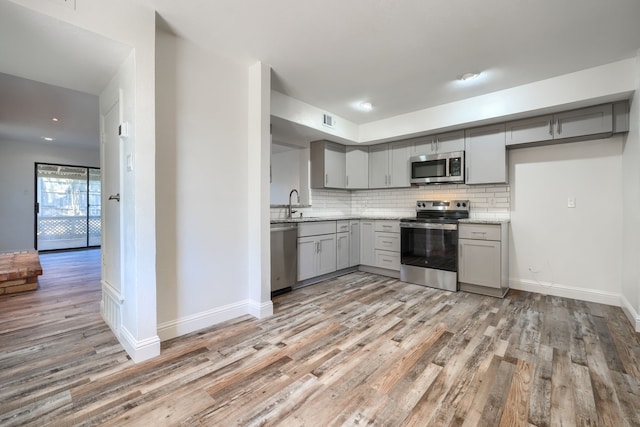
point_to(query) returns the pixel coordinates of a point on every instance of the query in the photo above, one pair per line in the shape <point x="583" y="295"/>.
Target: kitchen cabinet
<point x="354" y="243"/>
<point x="486" y="155"/>
<point x="387" y="244"/>
<point x="357" y="167"/>
<point x="316" y="249"/>
<point x="389" y="165"/>
<point x="584" y="122"/>
<point x="483" y="258"/>
<point x="328" y="165"/>
<point x="343" y="242"/>
<point x="436" y="144"/>
<point x="367" y="243"/>
<point x="342" y="250"/>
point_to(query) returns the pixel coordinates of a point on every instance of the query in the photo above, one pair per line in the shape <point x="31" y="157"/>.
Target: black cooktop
<point x="440" y="211"/>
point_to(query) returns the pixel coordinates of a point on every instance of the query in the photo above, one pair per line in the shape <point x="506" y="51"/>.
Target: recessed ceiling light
<point x="47" y="138"/>
<point x="366" y="106"/>
<point x="55" y="119"/>
<point x="468" y="76"/>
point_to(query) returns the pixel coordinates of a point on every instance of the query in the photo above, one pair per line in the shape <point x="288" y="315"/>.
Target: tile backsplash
<point x="487" y="201"/>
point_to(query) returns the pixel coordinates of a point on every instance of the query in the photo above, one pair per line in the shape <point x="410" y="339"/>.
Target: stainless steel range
<point x="429" y="243"/>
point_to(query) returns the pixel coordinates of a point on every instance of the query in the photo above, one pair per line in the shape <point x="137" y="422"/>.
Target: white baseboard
<point x="260" y="310"/>
<point x="139" y="350"/>
<point x="184" y="325"/>
<point x="631" y="313"/>
<point x="591" y="295"/>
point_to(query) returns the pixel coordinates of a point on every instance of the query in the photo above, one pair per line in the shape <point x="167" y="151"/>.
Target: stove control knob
<point x="464" y="205"/>
<point x="458" y="204"/>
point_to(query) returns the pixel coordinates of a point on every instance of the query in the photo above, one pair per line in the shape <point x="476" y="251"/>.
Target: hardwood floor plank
<point x="353" y="350"/>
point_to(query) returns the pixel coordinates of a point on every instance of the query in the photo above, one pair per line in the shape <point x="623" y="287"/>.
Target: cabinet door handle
<point x="326" y="178"/>
<point x="551" y="127"/>
<point x="347" y="180"/>
<point x="558" y="126"/>
<point x="468" y="176"/>
<point x="437" y="143"/>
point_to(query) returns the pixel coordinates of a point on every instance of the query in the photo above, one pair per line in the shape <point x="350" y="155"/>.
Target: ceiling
<point x="405" y="55"/>
<point x="61" y="70"/>
<point x="400" y="55"/>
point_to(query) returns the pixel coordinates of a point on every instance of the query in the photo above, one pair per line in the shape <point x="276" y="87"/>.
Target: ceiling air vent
<point x="328" y="120"/>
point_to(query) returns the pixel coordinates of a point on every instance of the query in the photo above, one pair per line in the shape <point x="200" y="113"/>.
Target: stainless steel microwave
<point x="438" y="168"/>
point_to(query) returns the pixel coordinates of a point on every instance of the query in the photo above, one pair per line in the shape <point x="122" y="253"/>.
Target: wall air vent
<point x="328" y="120"/>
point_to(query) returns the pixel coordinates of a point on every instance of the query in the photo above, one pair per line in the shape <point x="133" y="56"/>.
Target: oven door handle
<point x="428" y="226"/>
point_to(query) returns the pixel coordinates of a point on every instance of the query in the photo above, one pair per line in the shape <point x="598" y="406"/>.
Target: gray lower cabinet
<point x="486" y="155"/>
<point x="483" y="263"/>
<point x="367" y="241"/>
<point x="343" y="242"/>
<point x="354" y="243"/>
<point x="316" y="249"/>
<point x="387" y="244"/>
<point x="569" y="125"/>
<point x="342" y="250"/>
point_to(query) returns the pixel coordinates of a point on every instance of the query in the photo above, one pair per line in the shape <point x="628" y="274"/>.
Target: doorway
<point x="68" y="207"/>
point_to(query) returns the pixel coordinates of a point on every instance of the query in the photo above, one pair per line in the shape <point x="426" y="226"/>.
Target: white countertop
<point x="332" y="218"/>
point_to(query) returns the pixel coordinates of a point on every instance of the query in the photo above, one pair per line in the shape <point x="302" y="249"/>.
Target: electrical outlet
<point x="71" y="4"/>
<point x="571" y="202"/>
<point x="492" y="202"/>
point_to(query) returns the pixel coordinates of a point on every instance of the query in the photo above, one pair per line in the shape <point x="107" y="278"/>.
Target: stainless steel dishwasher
<point x="284" y="256"/>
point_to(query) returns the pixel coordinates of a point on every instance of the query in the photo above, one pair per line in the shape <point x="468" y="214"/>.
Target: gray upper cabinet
<point x="328" y="165"/>
<point x="570" y="125"/>
<point x="399" y="155"/>
<point x="530" y="130"/>
<point x="378" y="166"/>
<point x="357" y="161"/>
<point x="486" y="155"/>
<point x="435" y="144"/>
<point x="586" y="121"/>
<point x="389" y="165"/>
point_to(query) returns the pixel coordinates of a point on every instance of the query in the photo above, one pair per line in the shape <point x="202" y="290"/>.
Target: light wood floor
<point x="358" y="350"/>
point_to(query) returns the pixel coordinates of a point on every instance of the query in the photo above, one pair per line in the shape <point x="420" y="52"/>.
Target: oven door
<point x="429" y="245"/>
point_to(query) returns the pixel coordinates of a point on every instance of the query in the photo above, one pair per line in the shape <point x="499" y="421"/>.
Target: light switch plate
<point x="571" y="202"/>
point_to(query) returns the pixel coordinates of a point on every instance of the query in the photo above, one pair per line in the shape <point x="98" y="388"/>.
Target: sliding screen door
<point x="67" y="207"/>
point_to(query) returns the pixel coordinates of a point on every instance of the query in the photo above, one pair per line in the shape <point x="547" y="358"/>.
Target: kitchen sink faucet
<point x="290" y="211"/>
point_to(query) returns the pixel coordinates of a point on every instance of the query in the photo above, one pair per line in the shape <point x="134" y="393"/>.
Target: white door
<point x="110" y="203"/>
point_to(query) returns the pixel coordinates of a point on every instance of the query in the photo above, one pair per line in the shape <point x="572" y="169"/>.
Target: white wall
<point x="289" y="170"/>
<point x="201" y="187"/>
<point x="554" y="249"/>
<point x="631" y="215"/>
<point x="131" y="23"/>
<point x="17" y="185"/>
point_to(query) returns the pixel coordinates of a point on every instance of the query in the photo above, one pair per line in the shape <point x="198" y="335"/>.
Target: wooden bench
<point x="19" y="271"/>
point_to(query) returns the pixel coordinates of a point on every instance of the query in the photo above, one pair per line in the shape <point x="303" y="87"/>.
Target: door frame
<point x="36" y="207"/>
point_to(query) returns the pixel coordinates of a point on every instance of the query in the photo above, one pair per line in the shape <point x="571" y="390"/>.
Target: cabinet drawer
<point x="388" y="226"/>
<point x="388" y="241"/>
<point x="342" y="226"/>
<point x="387" y="259"/>
<point x="316" y="228"/>
<point x="479" y="231"/>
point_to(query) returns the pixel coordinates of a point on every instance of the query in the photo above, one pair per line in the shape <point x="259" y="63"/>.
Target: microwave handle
<point x="447" y="171"/>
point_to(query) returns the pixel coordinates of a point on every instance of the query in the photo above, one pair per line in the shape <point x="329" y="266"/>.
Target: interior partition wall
<point x="67" y="207"/>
